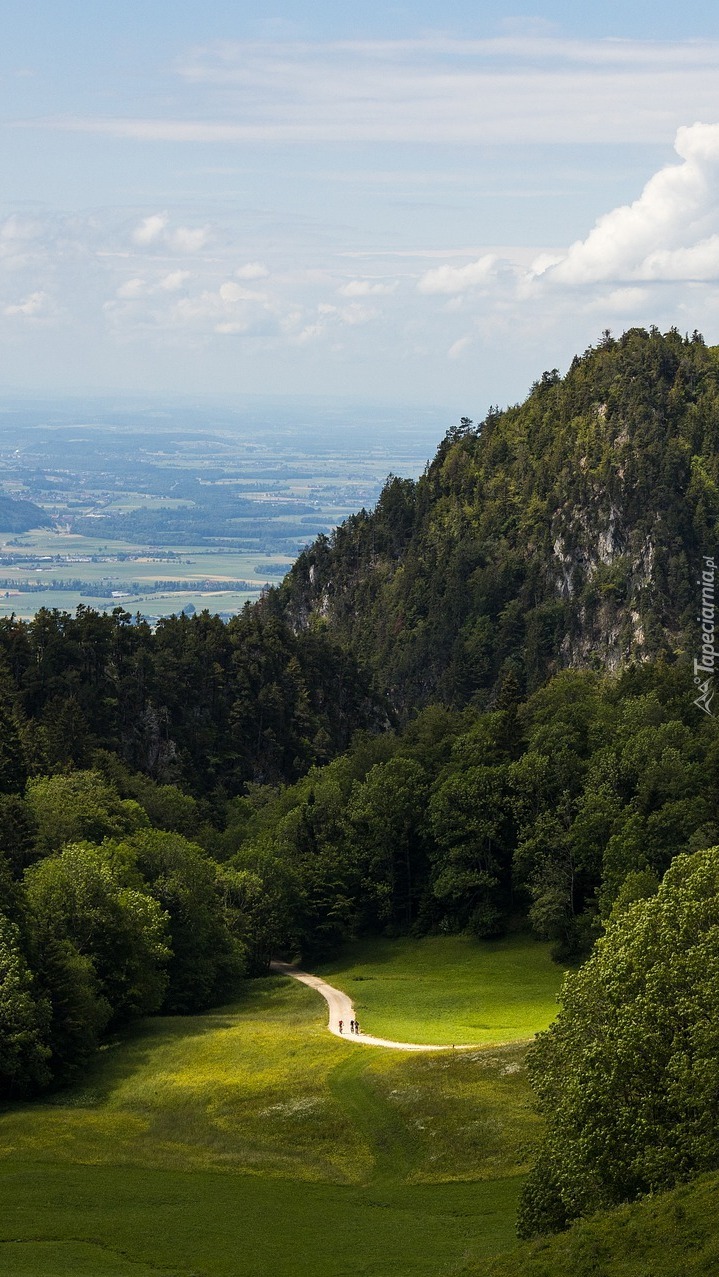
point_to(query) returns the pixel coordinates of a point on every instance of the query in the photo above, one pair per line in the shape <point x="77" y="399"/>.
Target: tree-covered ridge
<point x="564" y="531"/>
<point x="533" y="813"/>
<point x="209" y="704"/>
<point x="20" y="516"/>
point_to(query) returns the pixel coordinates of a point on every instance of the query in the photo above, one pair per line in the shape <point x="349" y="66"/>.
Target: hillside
<point x="565" y="531"/>
<point x="21" y="516"/>
<point x="661" y="1236"/>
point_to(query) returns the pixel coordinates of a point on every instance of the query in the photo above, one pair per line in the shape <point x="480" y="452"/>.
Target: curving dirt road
<point x="342" y="1009"/>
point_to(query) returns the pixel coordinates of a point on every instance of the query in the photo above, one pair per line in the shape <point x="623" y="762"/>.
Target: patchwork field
<point x="201" y="575"/>
<point x="192" y="507"/>
<point x="251" y="1141"/>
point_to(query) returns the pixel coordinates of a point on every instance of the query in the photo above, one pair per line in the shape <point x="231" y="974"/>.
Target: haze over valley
<point x="178" y="505"/>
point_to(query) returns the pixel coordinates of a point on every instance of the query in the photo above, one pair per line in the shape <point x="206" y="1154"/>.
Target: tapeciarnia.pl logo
<point x="705" y="668"/>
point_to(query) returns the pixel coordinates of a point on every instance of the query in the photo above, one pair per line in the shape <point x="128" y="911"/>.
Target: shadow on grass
<point x="128" y="1050"/>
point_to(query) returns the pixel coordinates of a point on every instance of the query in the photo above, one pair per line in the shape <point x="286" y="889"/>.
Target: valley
<point x="157" y="512"/>
<point x="359" y="655"/>
<point x="259" y="1144"/>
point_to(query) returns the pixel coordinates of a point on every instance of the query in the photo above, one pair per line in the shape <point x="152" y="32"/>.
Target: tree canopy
<point x="628" y="1075"/>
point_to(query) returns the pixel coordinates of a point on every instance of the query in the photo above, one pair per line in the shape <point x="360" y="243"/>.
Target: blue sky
<point x="418" y="203"/>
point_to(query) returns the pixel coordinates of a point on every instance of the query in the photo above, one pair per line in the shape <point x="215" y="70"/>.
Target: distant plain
<point x="158" y="512"/>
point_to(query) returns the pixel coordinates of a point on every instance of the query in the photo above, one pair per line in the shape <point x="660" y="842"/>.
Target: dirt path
<point x="341" y="1009"/>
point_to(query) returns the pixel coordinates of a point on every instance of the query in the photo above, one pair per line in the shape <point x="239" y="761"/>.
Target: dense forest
<point x="472" y="709"/>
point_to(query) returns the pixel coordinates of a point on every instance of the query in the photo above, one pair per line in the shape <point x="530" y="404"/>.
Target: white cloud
<point x="252" y="270"/>
<point x="310" y="333"/>
<point x="458" y="348"/>
<point x="526" y="88"/>
<point x="156" y="231"/>
<point x="699" y="262"/>
<point x="175" y="280"/>
<point x="358" y="314"/>
<point x="353" y="315"/>
<point x="667" y="234"/>
<point x="17" y="229"/>
<point x="232" y="292"/>
<point x="458" y="279"/>
<point x="231" y="327"/>
<point x="150" y="229"/>
<point x="365" y="288"/>
<point x="187" y="239"/>
<point x="132" y="288"/>
<point x="621" y="301"/>
<point x="32" y="306"/>
<point x="22" y="242"/>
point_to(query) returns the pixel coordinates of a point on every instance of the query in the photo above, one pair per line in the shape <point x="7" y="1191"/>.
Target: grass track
<point x="445" y="989"/>
<point x="395" y="1143"/>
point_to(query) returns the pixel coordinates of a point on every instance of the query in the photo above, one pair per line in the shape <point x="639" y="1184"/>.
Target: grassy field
<point x="249" y="1141"/>
<point x="123" y="1222"/>
<point x="262" y="1087"/>
<point x="449" y="989"/>
<point x="672" y="1234"/>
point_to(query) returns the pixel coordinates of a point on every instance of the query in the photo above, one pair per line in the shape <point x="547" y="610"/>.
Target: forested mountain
<point x="20" y="516"/>
<point x="564" y="531"/>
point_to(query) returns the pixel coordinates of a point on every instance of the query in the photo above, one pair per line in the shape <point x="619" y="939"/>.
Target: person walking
<point x="357" y="1027"/>
<point x="352" y="1026"/>
<point x="340" y="1026"/>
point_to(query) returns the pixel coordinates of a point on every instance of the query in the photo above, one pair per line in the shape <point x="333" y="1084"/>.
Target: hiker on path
<point x="337" y="1000"/>
<point x="352" y="1026"/>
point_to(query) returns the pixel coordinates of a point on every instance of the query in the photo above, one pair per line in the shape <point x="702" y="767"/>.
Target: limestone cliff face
<point x="564" y="531"/>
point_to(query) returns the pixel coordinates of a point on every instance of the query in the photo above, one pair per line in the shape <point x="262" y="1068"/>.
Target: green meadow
<point x="450" y="989"/>
<point x="123" y="1222"/>
<point x="249" y="1141"/>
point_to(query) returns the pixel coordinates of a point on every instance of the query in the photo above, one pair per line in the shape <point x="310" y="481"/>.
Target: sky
<point x="415" y="204"/>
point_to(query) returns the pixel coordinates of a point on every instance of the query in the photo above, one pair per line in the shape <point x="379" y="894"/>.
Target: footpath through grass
<point x="249" y="1142"/>
<point x="449" y="989"/>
